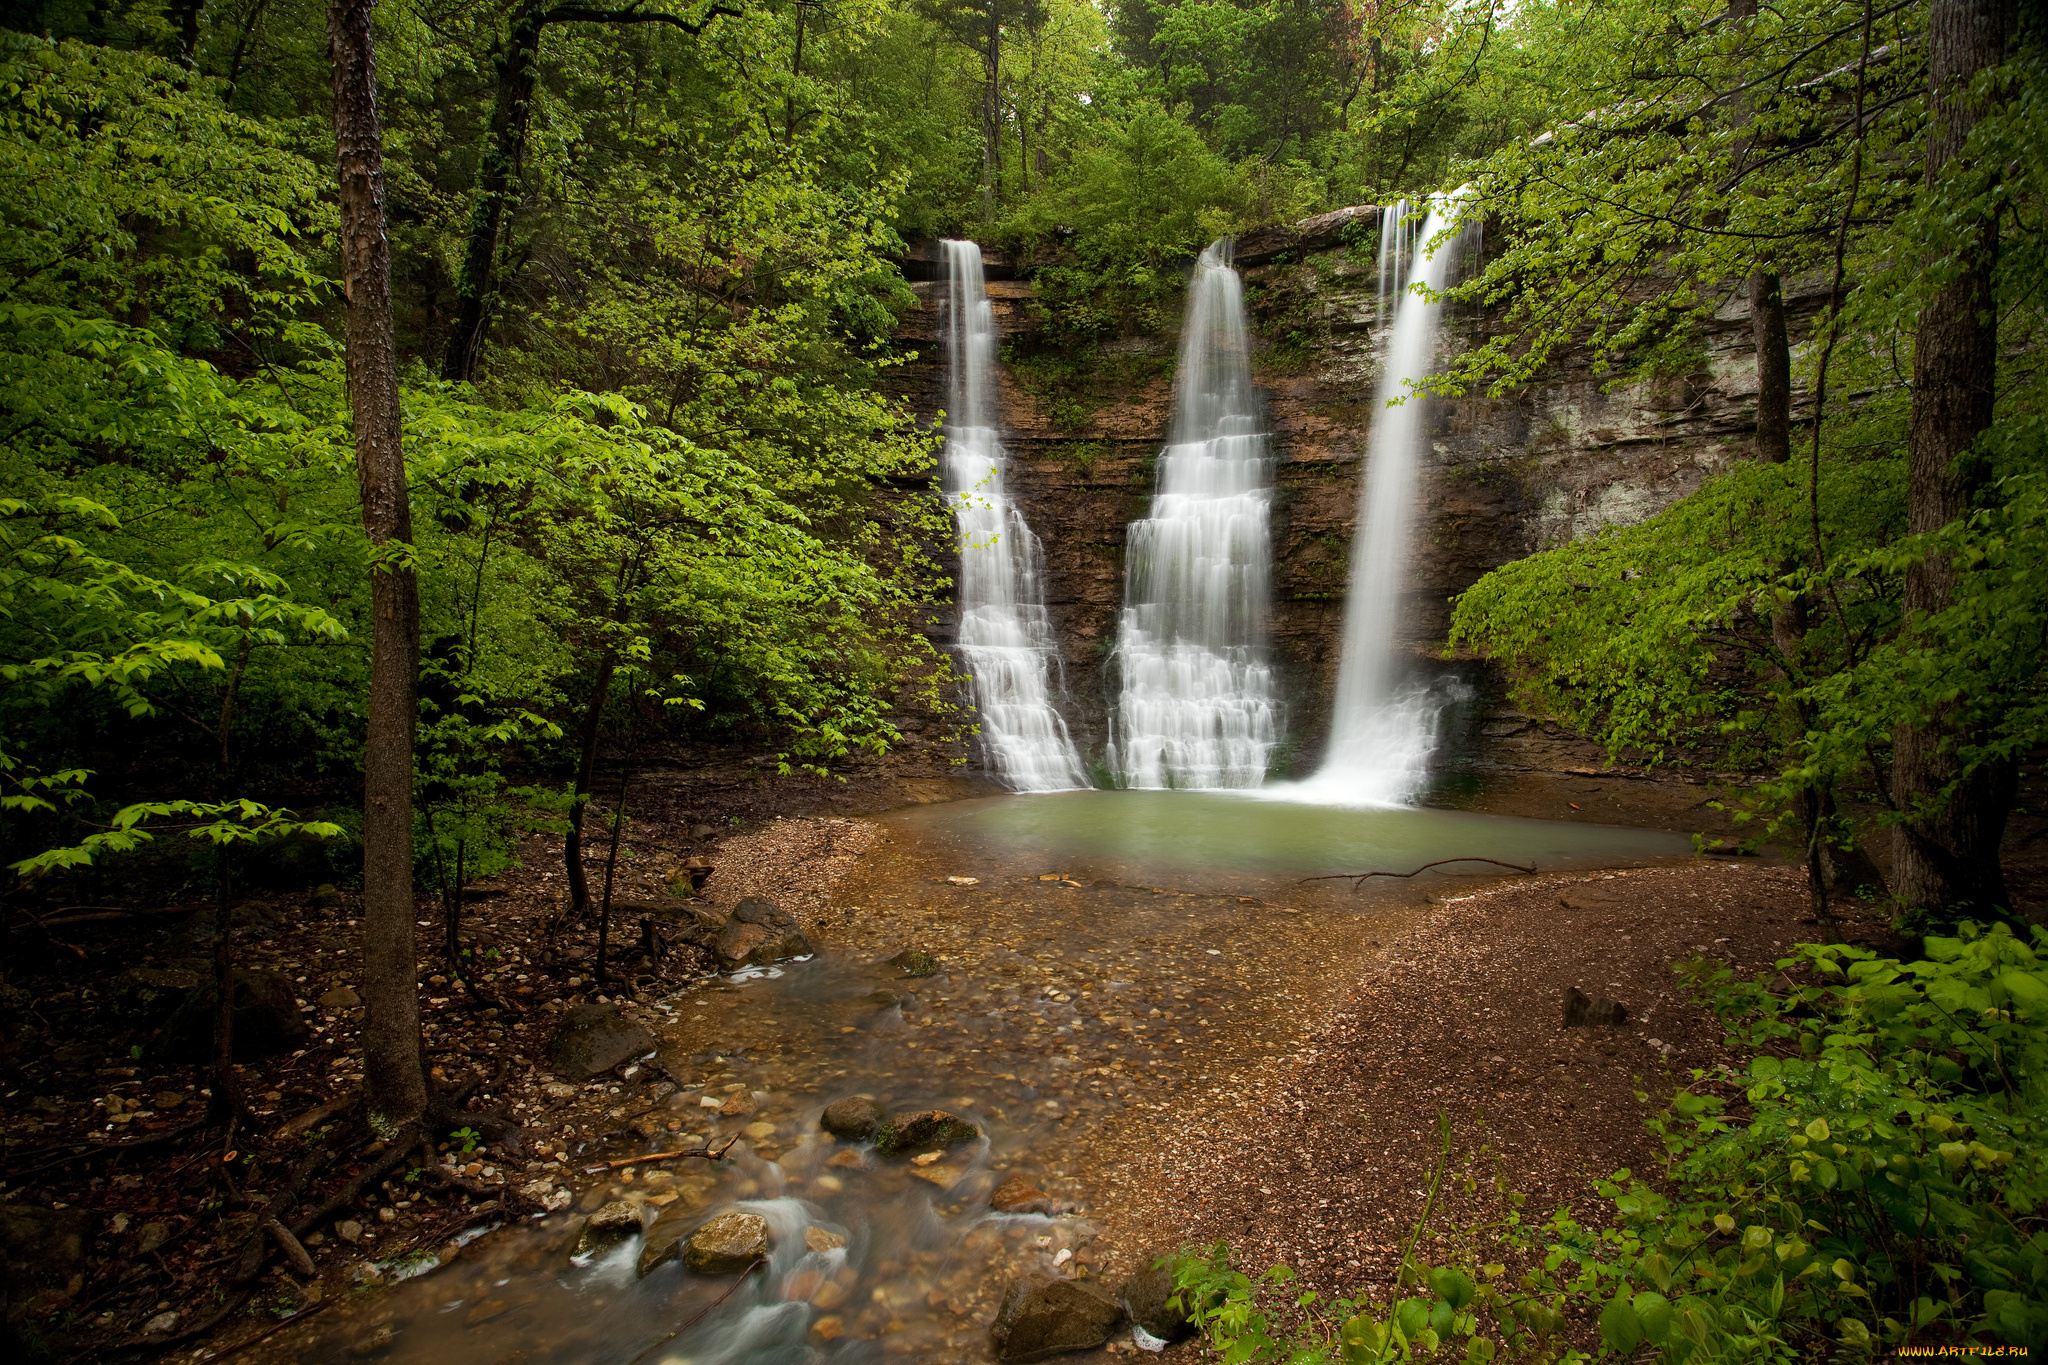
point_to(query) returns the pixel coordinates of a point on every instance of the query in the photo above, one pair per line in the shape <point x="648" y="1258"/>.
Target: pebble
<point x="349" y="1230"/>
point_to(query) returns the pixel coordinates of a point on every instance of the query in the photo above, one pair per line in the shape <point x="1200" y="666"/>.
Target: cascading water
<point x="1384" y="724"/>
<point x="1005" y="639"/>
<point x="1197" y="707"/>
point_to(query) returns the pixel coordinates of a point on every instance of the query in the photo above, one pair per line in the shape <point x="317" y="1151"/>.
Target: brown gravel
<point x="1321" y="1164"/>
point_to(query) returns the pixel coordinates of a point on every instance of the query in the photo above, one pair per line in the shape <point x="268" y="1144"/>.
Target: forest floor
<point x="129" y="1224"/>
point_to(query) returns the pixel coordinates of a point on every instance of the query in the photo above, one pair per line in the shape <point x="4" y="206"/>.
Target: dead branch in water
<point x="705" y="1311"/>
<point x="1358" y="879"/>
<point x="704" y="1151"/>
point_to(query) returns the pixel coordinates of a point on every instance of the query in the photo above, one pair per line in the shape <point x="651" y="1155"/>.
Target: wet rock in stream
<point x="855" y="1118"/>
<point x="926" y="1130"/>
<point x="592" y="1039"/>
<point x="760" y="932"/>
<point x="1043" y="1315"/>
<point x="611" y="1224"/>
<point x="1018" y="1195"/>
<point x="915" y="962"/>
<point x="727" y="1244"/>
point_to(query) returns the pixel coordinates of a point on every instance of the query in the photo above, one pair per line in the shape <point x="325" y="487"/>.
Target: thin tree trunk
<point x="518" y="68"/>
<point x="397" y="1092"/>
<point x="586" y="768"/>
<point x="1946" y="860"/>
<point x="1773" y="367"/>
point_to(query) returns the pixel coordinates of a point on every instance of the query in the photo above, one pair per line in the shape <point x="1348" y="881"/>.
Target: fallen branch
<point x="652" y="1157"/>
<point x="703" y="1312"/>
<point x="1358" y="879"/>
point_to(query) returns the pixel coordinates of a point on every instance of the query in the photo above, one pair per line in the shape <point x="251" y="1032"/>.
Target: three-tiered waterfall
<point x="1005" y="643"/>
<point x="1197" y="707"/>
<point x="1384" y="722"/>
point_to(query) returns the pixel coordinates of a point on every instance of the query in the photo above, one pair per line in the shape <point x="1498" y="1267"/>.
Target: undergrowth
<point x="1873" y="1180"/>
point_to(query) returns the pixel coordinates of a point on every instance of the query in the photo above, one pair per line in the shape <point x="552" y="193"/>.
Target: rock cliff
<point x="1503" y="477"/>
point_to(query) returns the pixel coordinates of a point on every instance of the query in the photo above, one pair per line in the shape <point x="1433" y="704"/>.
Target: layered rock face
<point x="1502" y="477"/>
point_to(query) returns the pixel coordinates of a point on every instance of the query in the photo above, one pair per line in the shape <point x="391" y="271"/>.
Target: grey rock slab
<point x="1043" y="1315"/>
<point x="592" y="1039"/>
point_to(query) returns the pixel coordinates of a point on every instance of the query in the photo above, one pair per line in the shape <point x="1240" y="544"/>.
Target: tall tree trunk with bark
<point x="397" y="1092"/>
<point x="1946" y="859"/>
<point x="518" y="68"/>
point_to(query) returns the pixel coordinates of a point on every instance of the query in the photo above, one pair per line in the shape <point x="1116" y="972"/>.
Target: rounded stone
<point x="727" y="1244"/>
<point x="854" y="1118"/>
<point x="923" y="1131"/>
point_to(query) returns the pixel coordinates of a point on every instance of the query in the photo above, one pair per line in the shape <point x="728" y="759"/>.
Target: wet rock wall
<point x="1503" y="477"/>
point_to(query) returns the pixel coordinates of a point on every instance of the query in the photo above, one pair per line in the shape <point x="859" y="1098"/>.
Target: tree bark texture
<point x="391" y="1025"/>
<point x="1946" y="859"/>
<point x="1773" y="367"/>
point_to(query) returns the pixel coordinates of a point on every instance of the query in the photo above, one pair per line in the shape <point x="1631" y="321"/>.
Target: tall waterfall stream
<point x="1005" y="641"/>
<point x="1198" y="707"/>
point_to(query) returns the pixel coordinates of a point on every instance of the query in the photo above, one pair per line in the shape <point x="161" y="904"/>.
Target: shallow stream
<point x="1106" y="959"/>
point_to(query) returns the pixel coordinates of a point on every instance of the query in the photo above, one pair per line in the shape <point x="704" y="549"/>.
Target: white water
<point x="1005" y="640"/>
<point x="1197" y="707"/>
<point x="1384" y="723"/>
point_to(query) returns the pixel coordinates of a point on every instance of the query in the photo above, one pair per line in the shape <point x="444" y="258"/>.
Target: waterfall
<point x="1197" y="707"/>
<point x="1384" y="723"/>
<point x="1005" y="640"/>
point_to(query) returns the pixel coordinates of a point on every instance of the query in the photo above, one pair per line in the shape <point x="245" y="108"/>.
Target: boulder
<point x="1147" y="1298"/>
<point x="727" y="1244"/>
<point x="610" y="1225"/>
<point x="592" y="1039"/>
<point x="759" y="932"/>
<point x="922" y="1132"/>
<point x="1043" y="1315"/>
<point x="855" y="1118"/>
<point x="1018" y="1195"/>
<point x="266" y="1019"/>
<point x="1582" y="1011"/>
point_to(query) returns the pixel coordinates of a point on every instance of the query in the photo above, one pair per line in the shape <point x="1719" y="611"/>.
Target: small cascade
<point x="1384" y="723"/>
<point x="1197" y="707"/>
<point x="1005" y="640"/>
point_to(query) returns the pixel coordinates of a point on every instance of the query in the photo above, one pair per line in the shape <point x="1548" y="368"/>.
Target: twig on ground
<point x="246" y="1342"/>
<point x="1359" y="879"/>
<point x="704" y="1151"/>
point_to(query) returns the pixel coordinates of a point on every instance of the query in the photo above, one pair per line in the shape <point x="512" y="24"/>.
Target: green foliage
<point x="1881" y="1179"/>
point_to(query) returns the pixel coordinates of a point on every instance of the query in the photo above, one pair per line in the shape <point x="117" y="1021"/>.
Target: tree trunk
<point x="1773" y="367"/>
<point x="586" y="769"/>
<point x="391" y="1025"/>
<point x="1946" y="860"/>
<point x="518" y="69"/>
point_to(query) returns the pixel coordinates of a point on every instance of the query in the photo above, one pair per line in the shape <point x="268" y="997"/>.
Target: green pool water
<point x="1153" y="834"/>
